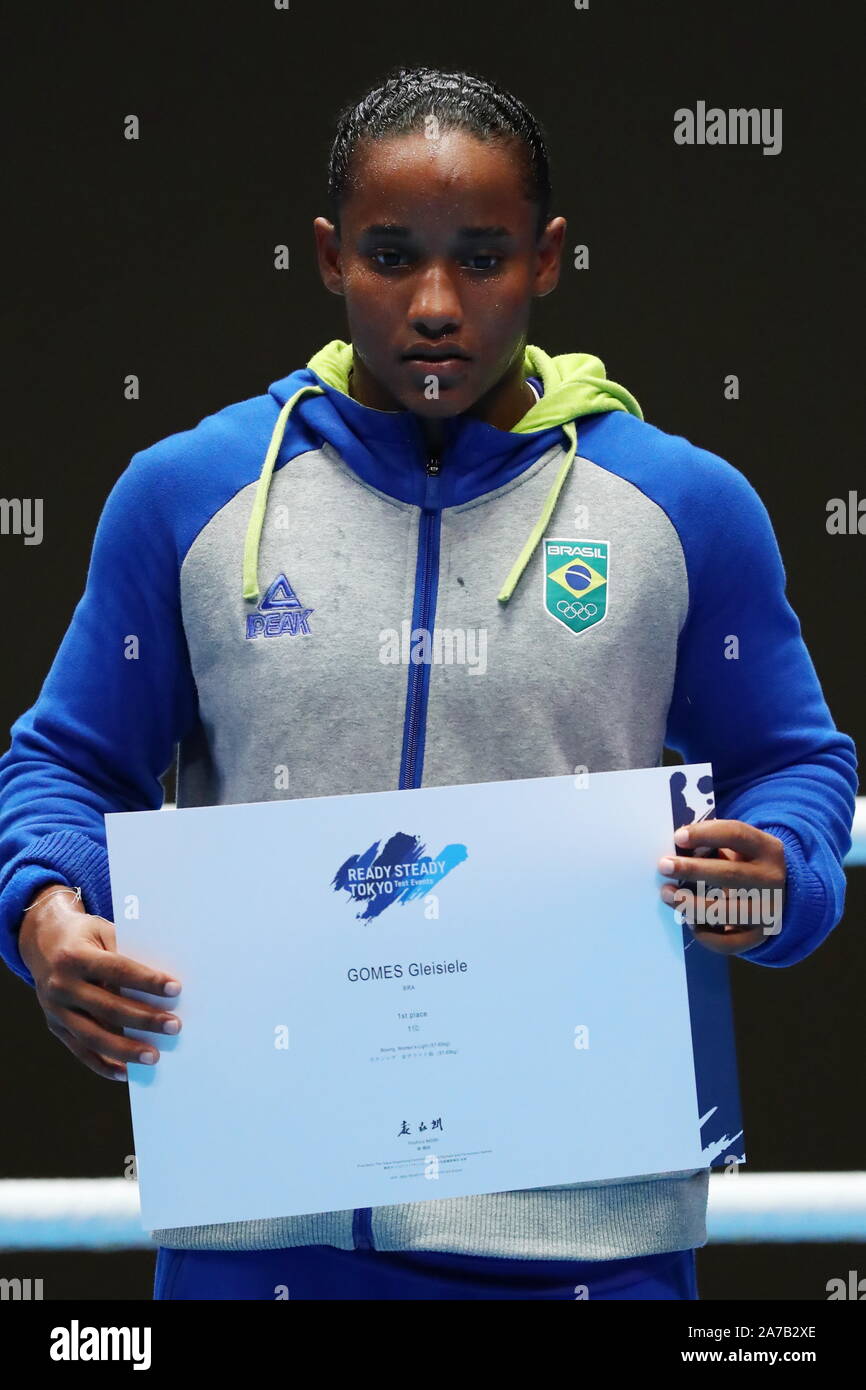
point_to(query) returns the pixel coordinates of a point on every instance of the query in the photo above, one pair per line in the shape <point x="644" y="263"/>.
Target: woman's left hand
<point x="712" y="895"/>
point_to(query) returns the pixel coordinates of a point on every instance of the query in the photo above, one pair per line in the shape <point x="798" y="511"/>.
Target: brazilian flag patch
<point x="575" y="581"/>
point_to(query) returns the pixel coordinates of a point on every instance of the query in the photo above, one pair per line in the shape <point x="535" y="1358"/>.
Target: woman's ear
<point x="548" y="257"/>
<point x="328" y="255"/>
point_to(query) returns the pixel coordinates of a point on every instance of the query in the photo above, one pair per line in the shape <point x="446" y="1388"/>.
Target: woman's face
<point x="437" y="257"/>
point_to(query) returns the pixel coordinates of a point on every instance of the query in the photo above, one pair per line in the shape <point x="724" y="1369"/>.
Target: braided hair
<point x="406" y="101"/>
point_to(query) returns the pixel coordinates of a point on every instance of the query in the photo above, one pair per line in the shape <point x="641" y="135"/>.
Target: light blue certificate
<point x="408" y="995"/>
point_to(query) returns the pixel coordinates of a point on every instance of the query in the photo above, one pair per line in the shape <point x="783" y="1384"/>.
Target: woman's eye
<point x="389" y="258"/>
<point x="388" y="251"/>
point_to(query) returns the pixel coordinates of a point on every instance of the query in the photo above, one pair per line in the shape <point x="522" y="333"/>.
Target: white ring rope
<point x="858" y="835"/>
<point x="103" y="1213"/>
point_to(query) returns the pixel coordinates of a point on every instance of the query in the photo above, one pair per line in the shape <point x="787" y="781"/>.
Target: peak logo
<point x="396" y="871"/>
<point x="280" y="613"/>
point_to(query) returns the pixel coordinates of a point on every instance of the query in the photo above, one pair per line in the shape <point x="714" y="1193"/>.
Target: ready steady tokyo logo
<point x="397" y="870"/>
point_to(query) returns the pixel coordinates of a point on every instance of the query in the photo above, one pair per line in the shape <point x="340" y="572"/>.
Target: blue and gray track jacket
<point x="243" y="577"/>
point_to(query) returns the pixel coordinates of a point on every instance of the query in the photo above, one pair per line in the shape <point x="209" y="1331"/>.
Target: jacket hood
<point x="574" y="384"/>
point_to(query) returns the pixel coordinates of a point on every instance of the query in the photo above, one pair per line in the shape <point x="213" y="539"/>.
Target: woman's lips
<point x="433" y="367"/>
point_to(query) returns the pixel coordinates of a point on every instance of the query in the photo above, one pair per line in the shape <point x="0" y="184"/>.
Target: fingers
<point x="733" y="834"/>
<point x="116" y="1011"/>
<point x="728" y="942"/>
<point x="68" y="994"/>
<point x="79" y="981"/>
<point x="117" y="971"/>
<point x="72" y="1027"/>
<point x="730" y="890"/>
<point x="717" y="873"/>
<point x="96" y="1063"/>
<point x="745" y="920"/>
<point x="720" y="913"/>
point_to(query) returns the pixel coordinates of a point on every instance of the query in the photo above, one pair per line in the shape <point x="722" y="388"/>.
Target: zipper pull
<point x="434" y="467"/>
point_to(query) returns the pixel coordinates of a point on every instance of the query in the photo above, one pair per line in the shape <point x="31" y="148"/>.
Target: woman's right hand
<point x="78" y="974"/>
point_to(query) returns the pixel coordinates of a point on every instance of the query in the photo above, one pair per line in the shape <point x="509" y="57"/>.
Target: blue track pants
<point x="324" y="1272"/>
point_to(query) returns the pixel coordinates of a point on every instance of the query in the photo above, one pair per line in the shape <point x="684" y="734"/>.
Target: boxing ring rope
<point x="103" y="1213"/>
<point x="857" y="854"/>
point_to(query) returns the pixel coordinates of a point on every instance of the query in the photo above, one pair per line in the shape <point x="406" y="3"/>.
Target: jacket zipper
<point x="427" y="579"/>
<point x="419" y="674"/>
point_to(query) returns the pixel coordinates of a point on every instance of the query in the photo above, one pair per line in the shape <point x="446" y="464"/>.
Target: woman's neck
<point x="502" y="406"/>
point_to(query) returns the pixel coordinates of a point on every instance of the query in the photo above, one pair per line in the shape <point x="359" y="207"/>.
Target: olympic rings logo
<point x="576" y="610"/>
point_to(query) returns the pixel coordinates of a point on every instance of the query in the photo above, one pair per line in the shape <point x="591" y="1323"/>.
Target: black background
<point x="155" y="257"/>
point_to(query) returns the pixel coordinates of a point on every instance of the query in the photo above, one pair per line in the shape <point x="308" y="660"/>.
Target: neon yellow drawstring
<point x="252" y="541"/>
<point x="546" y="512"/>
<point x="257" y="515"/>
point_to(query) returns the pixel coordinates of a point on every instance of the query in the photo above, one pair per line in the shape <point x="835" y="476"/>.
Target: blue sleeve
<point x="759" y="715"/>
<point x="118" y="697"/>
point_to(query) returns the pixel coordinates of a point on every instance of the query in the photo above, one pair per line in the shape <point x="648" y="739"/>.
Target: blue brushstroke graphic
<point x="380" y="879"/>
